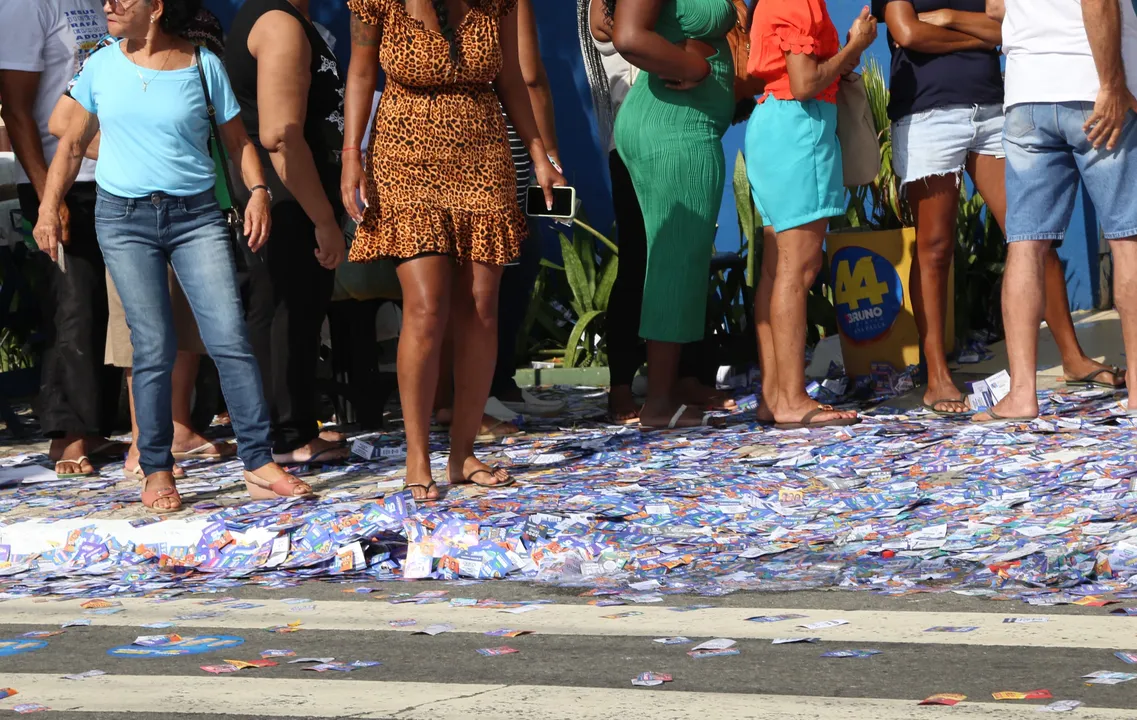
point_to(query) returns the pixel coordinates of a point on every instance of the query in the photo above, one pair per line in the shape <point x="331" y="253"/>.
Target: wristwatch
<point x="254" y="188"/>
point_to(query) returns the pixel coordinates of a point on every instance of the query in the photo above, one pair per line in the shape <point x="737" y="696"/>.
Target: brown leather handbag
<point x="745" y="86"/>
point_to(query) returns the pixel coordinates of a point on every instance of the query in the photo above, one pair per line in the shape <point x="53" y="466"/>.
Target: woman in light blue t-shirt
<point x="156" y="206"/>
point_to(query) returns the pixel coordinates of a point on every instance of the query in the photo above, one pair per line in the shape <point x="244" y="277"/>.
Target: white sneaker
<point x="498" y="410"/>
<point x="534" y="406"/>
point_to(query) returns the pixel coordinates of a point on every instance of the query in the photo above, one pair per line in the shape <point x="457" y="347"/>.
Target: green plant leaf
<point x="577" y="280"/>
<point x="605" y="283"/>
<point x="572" y="347"/>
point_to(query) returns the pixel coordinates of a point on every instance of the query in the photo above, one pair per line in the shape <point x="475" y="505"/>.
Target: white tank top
<point x="621" y="76"/>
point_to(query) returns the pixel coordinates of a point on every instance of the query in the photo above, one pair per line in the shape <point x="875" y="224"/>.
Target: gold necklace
<point x="138" y="70"/>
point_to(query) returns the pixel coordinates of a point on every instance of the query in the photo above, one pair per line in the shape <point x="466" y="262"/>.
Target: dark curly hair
<point x="610" y="9"/>
<point x="177" y="15"/>
<point x="448" y="30"/>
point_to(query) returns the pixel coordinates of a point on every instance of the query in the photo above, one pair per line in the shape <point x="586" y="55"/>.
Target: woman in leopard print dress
<point x="440" y="192"/>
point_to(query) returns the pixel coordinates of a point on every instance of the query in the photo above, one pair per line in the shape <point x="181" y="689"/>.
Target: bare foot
<point x="622" y="405"/>
<point x="1096" y="372"/>
<point x="72" y="456"/>
<point x="764" y="414"/>
<point x="795" y="411"/>
<point x="189" y="445"/>
<point x="490" y="427"/>
<point x="420" y="481"/>
<point x="1021" y="407"/>
<point x="945" y="397"/>
<point x="661" y="414"/>
<point x="333" y="436"/>
<point x="473" y="470"/>
<point x="317" y="450"/>
<point x="692" y="392"/>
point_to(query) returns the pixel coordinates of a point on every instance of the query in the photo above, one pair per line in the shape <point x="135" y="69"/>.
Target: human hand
<point x="65" y="223"/>
<point x="1111" y="111"/>
<point x="863" y="32"/>
<point x="940" y="18"/>
<point x="330" y="246"/>
<point x="351" y="181"/>
<point x="258" y="220"/>
<point x="48" y="232"/>
<point x="548" y="177"/>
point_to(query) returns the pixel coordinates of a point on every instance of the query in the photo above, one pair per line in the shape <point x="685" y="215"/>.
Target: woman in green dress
<point x="669" y="133"/>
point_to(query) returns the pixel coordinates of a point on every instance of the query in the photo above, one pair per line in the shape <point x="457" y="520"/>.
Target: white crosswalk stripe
<point x="1058" y="631"/>
<point x="127" y="694"/>
<point x="172" y="688"/>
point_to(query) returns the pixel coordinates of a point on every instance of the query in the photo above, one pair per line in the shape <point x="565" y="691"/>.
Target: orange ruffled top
<point x="795" y="26"/>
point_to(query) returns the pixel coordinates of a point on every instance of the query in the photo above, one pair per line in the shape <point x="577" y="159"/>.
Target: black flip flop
<point x="469" y="480"/>
<point x="934" y="407"/>
<point x="1092" y="381"/>
<point x="426" y="490"/>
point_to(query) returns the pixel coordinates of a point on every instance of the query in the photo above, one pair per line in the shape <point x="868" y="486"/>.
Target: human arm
<point x="536" y="79"/>
<point x="50" y="227"/>
<point x="239" y="147"/>
<point x="809" y="76"/>
<point x="975" y="24"/>
<point x="637" y="41"/>
<point x="911" y="33"/>
<point x="1115" y="100"/>
<point x="996" y="10"/>
<point x="18" y="90"/>
<point x="362" y="76"/>
<point x="284" y="76"/>
<point x="598" y="21"/>
<point x="61" y="118"/>
<point x="514" y="96"/>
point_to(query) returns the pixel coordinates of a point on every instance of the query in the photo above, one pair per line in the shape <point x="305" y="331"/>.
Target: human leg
<point x="935" y="204"/>
<point x="199" y="254"/>
<point x="426" y="284"/>
<point x="136" y="256"/>
<point x="767" y="361"/>
<point x="69" y="405"/>
<point x="989" y="175"/>
<point x="473" y="314"/>
<point x="798" y="262"/>
<point x="1041" y="187"/>
<point x="625" y="347"/>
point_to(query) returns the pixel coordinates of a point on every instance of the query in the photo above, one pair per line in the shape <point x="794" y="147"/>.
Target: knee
<point x="485" y="306"/>
<point x="154" y="348"/>
<point x="424" y="315"/>
<point x="811" y="266"/>
<point x="936" y="245"/>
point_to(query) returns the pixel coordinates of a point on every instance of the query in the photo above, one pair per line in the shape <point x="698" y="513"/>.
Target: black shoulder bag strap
<point x="232" y="214"/>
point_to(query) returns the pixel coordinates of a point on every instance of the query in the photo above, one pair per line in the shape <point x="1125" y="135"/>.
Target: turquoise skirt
<point x="793" y="162"/>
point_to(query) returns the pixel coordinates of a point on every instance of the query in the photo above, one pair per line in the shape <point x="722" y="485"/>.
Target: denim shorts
<point x="938" y="141"/>
<point x="1047" y="155"/>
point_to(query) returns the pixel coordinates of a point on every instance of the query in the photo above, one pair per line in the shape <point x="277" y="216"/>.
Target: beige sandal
<point x="78" y="463"/>
<point x="286" y="487"/>
<point x="156" y="495"/>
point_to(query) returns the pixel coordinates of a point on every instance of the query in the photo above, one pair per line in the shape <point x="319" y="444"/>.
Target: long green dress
<point x="671" y="142"/>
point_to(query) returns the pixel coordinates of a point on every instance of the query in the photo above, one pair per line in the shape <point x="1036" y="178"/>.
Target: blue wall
<point x="586" y="165"/>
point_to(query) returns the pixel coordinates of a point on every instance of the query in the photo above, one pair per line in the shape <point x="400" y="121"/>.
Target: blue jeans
<point x="139" y="237"/>
<point x="1047" y="155"/>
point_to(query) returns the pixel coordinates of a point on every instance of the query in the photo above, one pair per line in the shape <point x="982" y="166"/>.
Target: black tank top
<point x="323" y="125"/>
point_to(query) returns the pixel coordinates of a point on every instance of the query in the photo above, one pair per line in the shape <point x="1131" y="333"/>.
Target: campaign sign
<point x="187" y="646"/>
<point x="868" y="293"/>
<point x="15" y="647"/>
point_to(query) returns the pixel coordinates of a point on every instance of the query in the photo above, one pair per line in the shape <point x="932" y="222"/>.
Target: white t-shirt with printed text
<point x="53" y="38"/>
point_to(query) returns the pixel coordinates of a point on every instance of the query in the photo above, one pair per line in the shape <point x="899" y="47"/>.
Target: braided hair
<point x="448" y="30"/>
<point x="597" y="75"/>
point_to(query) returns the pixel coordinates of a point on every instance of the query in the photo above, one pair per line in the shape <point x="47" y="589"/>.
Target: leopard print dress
<point x="439" y="160"/>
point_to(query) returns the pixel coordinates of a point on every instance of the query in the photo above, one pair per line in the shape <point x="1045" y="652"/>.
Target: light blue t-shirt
<point x="157" y="139"/>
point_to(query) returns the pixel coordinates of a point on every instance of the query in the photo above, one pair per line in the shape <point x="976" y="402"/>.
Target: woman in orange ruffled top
<point x="793" y="161"/>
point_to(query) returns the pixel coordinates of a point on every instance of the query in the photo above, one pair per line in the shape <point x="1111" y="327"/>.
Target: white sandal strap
<point x="675" y="418"/>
